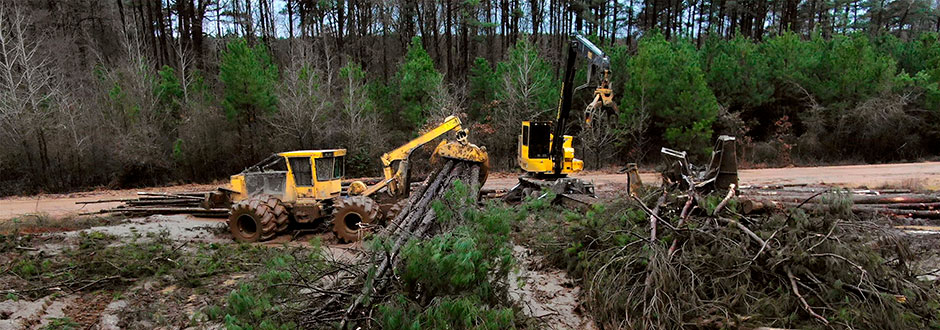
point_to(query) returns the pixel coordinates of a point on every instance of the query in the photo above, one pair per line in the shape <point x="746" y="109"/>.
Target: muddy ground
<point x="924" y="175"/>
<point x="543" y="293"/>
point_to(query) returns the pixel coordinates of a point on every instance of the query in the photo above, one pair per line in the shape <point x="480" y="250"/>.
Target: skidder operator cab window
<point x="303" y="174"/>
<point x="330" y="168"/>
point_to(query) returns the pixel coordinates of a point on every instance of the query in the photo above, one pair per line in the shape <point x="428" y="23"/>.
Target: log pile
<point x="897" y="203"/>
<point x="416" y="220"/>
<point x="198" y="203"/>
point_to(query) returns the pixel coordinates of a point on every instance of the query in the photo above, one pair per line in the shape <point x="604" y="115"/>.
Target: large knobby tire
<point x="391" y="226"/>
<point x="351" y="213"/>
<point x="258" y="218"/>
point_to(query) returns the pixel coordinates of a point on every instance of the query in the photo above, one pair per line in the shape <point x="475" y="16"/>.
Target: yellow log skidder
<point x="305" y="187"/>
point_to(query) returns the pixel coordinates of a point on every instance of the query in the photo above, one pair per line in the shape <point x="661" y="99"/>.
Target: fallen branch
<point x="744" y="229"/>
<point x="724" y="202"/>
<point x="806" y="306"/>
<point x="654" y="213"/>
<point x="683" y="216"/>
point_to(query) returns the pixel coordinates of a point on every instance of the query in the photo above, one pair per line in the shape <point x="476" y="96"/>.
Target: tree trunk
<point x="449" y="35"/>
<point x="120" y="5"/>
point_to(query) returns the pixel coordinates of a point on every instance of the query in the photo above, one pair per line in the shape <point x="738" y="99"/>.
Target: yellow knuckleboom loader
<point x="544" y="152"/>
<point x="305" y="187"/>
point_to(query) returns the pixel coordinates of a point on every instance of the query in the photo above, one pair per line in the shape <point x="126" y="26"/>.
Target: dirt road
<point x="58" y="205"/>
<point x="918" y="175"/>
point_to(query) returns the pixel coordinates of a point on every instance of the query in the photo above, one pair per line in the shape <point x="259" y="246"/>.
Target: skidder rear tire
<point x="391" y="226"/>
<point x="258" y="218"/>
<point x="351" y="214"/>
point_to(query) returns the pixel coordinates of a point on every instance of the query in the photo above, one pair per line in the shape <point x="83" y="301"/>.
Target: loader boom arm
<point x="597" y="60"/>
<point x="396" y="176"/>
<point x="579" y="46"/>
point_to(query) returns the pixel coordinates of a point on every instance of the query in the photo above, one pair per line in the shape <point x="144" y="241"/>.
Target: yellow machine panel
<point x="534" y="150"/>
<point x="303" y="176"/>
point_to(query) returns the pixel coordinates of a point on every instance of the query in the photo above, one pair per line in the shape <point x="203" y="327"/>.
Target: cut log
<point x="416" y="220"/>
<point x="857" y="199"/>
<point x="749" y="206"/>
<point x="168" y="195"/>
<point x="162" y="210"/>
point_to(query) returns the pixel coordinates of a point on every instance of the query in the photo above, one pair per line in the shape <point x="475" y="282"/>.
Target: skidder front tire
<point x="351" y="214"/>
<point x="258" y="218"/>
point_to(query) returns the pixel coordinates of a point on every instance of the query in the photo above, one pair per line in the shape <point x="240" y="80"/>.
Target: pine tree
<point x="483" y="84"/>
<point x="667" y="84"/>
<point x="249" y="77"/>
<point x="418" y="82"/>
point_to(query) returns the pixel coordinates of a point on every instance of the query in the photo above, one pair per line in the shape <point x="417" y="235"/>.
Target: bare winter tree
<point x="305" y="101"/>
<point x="133" y="116"/>
<point x="523" y="84"/>
<point x="361" y="121"/>
<point x="634" y="128"/>
<point x="597" y="139"/>
<point x="444" y="104"/>
<point x="28" y="95"/>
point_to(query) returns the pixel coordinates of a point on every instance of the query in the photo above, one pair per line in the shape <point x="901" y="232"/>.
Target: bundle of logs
<point x="198" y="203"/>
<point x="417" y="219"/>
<point x="898" y="203"/>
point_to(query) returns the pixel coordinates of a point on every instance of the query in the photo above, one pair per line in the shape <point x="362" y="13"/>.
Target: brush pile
<point x="670" y="260"/>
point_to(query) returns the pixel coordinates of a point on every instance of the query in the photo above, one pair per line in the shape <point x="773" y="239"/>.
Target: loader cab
<point x="534" y="150"/>
<point x="315" y="174"/>
<point x="303" y="176"/>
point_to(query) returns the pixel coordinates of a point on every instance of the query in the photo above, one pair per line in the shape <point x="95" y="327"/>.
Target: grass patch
<point x="62" y="323"/>
<point x="42" y="223"/>
<point x="99" y="260"/>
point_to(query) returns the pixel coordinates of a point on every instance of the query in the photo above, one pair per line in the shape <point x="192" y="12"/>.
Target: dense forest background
<point x="139" y="92"/>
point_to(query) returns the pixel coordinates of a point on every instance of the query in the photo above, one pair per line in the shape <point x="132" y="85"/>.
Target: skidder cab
<point x="302" y="186"/>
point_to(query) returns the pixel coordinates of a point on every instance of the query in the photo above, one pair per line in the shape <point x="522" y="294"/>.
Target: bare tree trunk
<point x="448" y="33"/>
<point x="120" y="5"/>
<point x="164" y="55"/>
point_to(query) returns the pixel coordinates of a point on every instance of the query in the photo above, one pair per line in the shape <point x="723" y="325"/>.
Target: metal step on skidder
<point x="305" y="188"/>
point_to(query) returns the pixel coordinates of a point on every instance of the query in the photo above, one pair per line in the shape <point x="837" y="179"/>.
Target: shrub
<point x="667" y="84"/>
<point x="444" y="313"/>
<point x="457" y="279"/>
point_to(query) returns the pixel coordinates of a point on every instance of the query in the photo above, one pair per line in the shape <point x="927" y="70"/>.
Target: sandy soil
<point x="925" y="175"/>
<point x="546" y="294"/>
